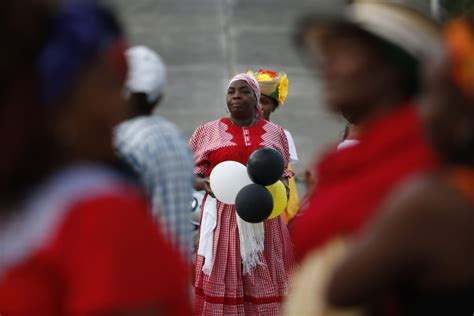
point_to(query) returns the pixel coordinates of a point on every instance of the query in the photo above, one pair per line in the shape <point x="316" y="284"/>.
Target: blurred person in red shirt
<point x="421" y="246"/>
<point x="75" y="236"/>
<point x="369" y="58"/>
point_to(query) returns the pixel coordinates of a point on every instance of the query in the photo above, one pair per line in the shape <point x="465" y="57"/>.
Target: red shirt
<point x="352" y="183"/>
<point x="86" y="249"/>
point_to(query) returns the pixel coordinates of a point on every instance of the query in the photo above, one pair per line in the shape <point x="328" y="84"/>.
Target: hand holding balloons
<point x="265" y="198"/>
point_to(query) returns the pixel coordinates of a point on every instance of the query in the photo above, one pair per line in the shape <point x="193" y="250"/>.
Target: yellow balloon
<point x="280" y="200"/>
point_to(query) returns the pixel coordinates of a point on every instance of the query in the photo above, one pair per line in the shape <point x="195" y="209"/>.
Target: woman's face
<point x="241" y="101"/>
<point x="268" y="105"/>
<point x="90" y="113"/>
<point x="350" y="72"/>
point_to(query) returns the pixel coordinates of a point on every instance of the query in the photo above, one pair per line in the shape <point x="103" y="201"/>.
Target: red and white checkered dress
<point x="227" y="291"/>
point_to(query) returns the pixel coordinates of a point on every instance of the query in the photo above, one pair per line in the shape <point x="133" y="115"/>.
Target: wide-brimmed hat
<point x="395" y="23"/>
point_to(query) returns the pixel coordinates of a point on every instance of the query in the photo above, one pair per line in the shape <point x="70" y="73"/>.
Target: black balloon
<point x="254" y="203"/>
<point x="265" y="166"/>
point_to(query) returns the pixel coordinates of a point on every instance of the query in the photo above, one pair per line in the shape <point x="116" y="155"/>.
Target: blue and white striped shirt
<point x="158" y="152"/>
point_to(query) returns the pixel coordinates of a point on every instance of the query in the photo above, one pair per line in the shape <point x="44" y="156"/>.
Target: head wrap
<point x="253" y="85"/>
<point x="80" y="31"/>
<point x="272" y="84"/>
<point x="459" y="42"/>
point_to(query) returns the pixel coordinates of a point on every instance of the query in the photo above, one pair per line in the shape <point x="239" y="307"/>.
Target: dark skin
<point x="140" y="106"/>
<point x="360" y="81"/>
<point x="241" y="103"/>
<point x="19" y="170"/>
<point x="269" y="106"/>
<point x="415" y="242"/>
<point x="68" y="140"/>
<point x="449" y="124"/>
<point x="423" y="238"/>
<point x="95" y="103"/>
<point x="23" y="129"/>
<point x="46" y="138"/>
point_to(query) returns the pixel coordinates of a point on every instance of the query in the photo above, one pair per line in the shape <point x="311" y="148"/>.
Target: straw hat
<point x="396" y="23"/>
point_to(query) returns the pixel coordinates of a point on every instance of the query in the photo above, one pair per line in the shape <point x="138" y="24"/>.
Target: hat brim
<point x="396" y="24"/>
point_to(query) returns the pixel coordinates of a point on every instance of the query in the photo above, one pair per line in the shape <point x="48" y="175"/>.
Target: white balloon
<point x="227" y="179"/>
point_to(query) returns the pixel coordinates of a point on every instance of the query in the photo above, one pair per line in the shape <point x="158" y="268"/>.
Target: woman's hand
<point x="203" y="184"/>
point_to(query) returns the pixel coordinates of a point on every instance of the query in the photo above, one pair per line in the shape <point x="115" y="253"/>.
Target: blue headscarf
<point x="80" y="32"/>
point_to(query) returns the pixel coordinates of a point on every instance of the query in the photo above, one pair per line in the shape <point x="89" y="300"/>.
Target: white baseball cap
<point x="146" y="72"/>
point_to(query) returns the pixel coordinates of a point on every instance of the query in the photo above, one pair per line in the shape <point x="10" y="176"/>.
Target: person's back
<point x="156" y="149"/>
<point x="444" y="284"/>
<point x="83" y="243"/>
<point x="418" y="251"/>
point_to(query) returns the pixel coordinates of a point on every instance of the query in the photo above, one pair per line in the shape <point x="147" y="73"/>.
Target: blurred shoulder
<point x="148" y="123"/>
<point x="426" y="198"/>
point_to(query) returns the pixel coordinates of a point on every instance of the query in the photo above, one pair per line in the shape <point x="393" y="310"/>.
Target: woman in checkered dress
<point x="227" y="285"/>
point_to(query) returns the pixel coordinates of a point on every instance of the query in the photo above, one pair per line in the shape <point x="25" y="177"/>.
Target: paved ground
<point x="205" y="42"/>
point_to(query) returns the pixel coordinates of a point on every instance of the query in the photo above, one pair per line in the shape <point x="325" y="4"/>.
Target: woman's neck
<point x="251" y="121"/>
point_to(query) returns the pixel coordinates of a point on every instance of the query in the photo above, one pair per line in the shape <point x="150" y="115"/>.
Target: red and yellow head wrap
<point x="272" y="84"/>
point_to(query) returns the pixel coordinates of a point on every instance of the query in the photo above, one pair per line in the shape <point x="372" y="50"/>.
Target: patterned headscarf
<point x="253" y="84"/>
<point x="459" y="43"/>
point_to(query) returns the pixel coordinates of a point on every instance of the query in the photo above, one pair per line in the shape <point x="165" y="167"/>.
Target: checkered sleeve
<point x="198" y="146"/>
<point x="156" y="149"/>
<point x="171" y="189"/>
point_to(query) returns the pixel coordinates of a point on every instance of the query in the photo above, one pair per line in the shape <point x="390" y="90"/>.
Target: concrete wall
<point x="205" y="42"/>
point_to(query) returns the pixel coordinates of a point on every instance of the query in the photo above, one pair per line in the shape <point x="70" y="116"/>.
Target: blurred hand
<point x="203" y="184"/>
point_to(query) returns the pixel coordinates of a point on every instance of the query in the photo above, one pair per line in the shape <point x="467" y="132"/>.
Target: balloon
<point x="254" y="203"/>
<point x="227" y="178"/>
<point x="265" y="166"/>
<point x="280" y="200"/>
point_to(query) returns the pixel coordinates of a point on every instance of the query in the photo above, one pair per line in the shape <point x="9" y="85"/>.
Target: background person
<point x="156" y="149"/>
<point x="370" y="59"/>
<point x="75" y="236"/>
<point x="274" y="89"/>
<point x="421" y="245"/>
<point x="246" y="268"/>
